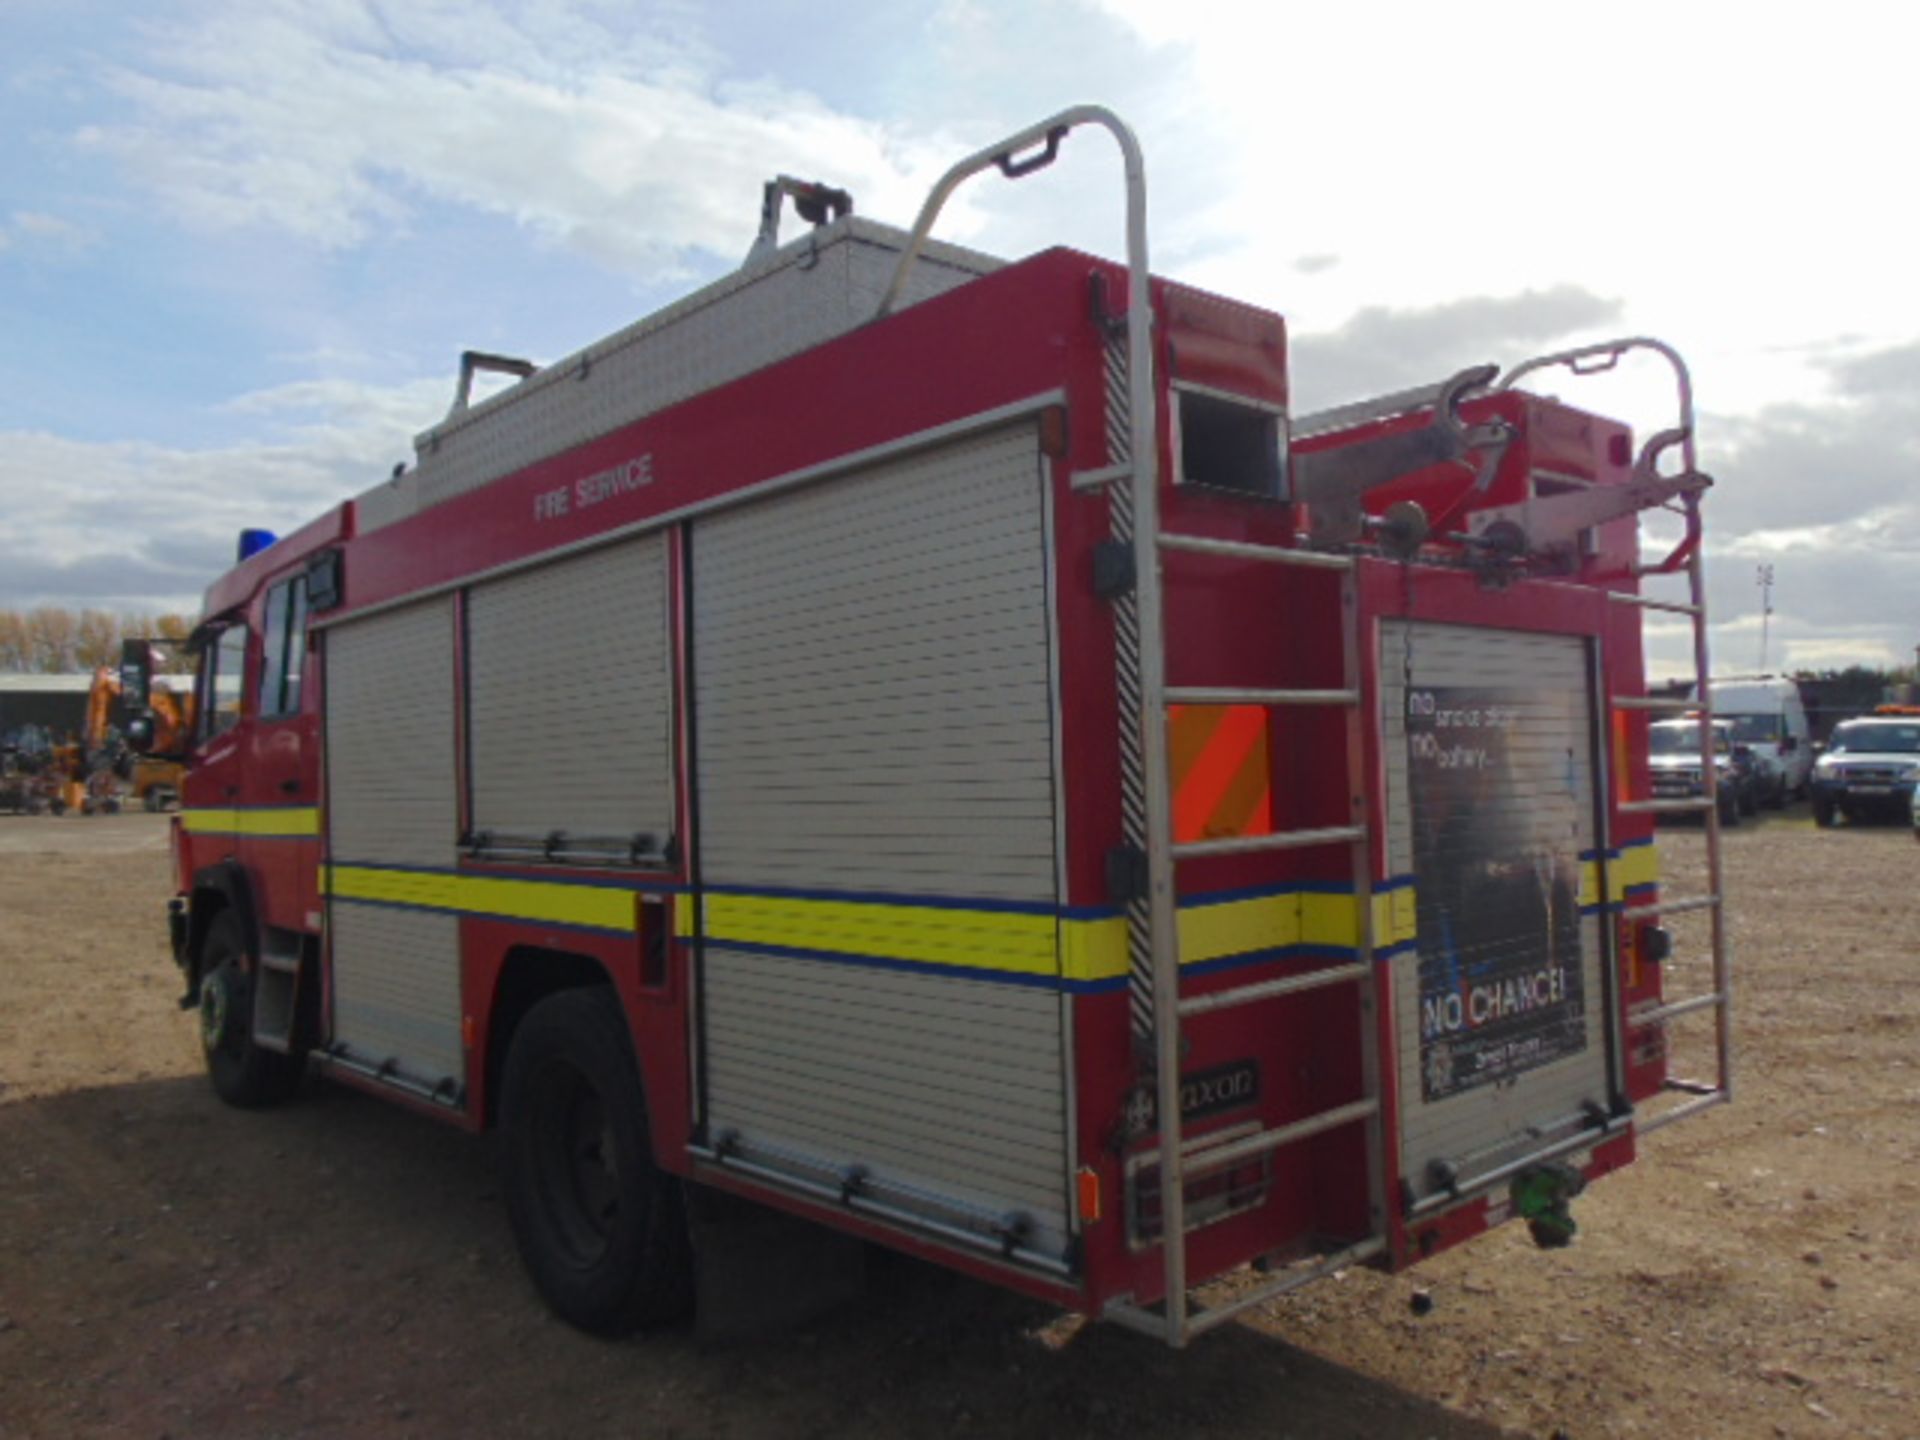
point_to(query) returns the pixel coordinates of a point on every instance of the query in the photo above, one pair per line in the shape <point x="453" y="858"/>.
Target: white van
<point x="1768" y="718"/>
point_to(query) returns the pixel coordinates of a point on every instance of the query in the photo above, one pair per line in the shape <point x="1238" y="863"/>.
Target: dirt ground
<point x="170" y="1267"/>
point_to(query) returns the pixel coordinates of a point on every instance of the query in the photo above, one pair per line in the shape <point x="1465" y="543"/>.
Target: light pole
<point x="1765" y="581"/>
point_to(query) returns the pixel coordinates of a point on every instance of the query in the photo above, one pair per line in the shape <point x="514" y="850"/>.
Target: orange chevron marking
<point x="1222" y="781"/>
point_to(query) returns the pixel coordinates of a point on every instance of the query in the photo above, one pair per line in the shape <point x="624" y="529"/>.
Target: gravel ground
<point x="169" y="1267"/>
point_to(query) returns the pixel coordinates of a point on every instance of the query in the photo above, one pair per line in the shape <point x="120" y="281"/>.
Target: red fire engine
<point x="936" y="746"/>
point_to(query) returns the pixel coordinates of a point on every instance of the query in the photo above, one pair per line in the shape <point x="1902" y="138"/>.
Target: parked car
<point x="1870" y="768"/>
<point x="1674" y="760"/>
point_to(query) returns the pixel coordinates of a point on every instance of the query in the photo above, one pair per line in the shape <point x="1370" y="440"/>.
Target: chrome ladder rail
<point x="1592" y="359"/>
<point x="1178" y="1318"/>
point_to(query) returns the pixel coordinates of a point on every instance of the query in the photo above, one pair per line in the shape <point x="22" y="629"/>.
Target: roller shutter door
<point x="874" y="730"/>
<point x="1501" y="1012"/>
<point x="391" y="805"/>
<point x="570" y="697"/>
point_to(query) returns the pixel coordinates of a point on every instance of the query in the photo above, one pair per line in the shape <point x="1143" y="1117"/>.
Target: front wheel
<point x="600" y="1227"/>
<point x="244" y="1073"/>
<point x="1823" y="812"/>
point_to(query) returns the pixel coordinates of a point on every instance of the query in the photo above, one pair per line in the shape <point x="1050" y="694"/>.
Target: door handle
<point x="290" y="787"/>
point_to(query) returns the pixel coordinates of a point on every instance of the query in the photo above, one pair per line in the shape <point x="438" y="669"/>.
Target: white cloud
<point x="335" y="123"/>
<point x="1726" y="176"/>
<point x="1380" y="350"/>
<point x="135" y="524"/>
<point x="1415" y="191"/>
<point x="35" y="232"/>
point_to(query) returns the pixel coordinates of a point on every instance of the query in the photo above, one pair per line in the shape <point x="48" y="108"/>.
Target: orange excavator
<point x="155" y="780"/>
<point x="88" y="772"/>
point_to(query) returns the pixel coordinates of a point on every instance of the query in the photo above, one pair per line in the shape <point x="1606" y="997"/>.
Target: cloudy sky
<point x="241" y="244"/>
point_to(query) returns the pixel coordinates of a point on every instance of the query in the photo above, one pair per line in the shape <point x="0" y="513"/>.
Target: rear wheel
<point x="600" y="1227"/>
<point x="243" y="1073"/>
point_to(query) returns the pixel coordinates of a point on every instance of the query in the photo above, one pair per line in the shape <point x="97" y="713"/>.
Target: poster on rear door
<point x="1494" y="792"/>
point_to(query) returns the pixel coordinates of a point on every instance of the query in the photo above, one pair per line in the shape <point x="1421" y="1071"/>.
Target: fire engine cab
<point x="939" y="747"/>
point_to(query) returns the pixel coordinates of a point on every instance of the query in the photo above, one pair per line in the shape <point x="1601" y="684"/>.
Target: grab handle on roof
<point x="474" y="361"/>
<point x="814" y="201"/>
<point x="1004" y="157"/>
<point x="1593" y="360"/>
<point x="1013" y="169"/>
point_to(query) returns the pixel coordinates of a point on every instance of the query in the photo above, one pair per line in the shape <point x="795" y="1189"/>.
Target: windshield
<point x="1683" y="739"/>
<point x="1886" y="737"/>
<point x="1753" y="729"/>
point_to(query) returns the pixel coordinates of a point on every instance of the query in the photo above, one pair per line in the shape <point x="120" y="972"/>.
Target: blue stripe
<point x="1274" y="953"/>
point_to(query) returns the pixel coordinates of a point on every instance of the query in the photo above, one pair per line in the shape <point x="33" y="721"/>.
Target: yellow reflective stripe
<point x="1008" y="941"/>
<point x="294" y="821"/>
<point x="1097" y="949"/>
<point x="1001" y="941"/>
<point x="1093" y="949"/>
<point x="1637" y="865"/>
<point x="599" y="907"/>
<point x="1234" y="927"/>
<point x="1394" y="917"/>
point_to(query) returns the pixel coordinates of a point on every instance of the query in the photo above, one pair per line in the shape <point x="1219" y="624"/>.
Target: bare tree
<point x="16" y="646"/>
<point x="96" y="640"/>
<point x="175" y="628"/>
<point x="52" y="634"/>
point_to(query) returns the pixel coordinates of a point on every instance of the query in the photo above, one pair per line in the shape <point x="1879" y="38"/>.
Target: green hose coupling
<point x="1542" y="1195"/>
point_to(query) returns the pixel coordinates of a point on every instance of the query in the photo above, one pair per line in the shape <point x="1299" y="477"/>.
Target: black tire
<point x="600" y="1227"/>
<point x="1823" y="812"/>
<point x="1749" y="800"/>
<point x="1729" y="804"/>
<point x="243" y="1074"/>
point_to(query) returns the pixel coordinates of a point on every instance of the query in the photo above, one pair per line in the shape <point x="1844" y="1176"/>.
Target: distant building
<point x="53" y="702"/>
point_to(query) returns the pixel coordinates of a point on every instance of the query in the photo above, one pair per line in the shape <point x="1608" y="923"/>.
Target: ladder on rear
<point x="1159" y="1007"/>
<point x="1701" y="1094"/>
<point x="1156" y="1004"/>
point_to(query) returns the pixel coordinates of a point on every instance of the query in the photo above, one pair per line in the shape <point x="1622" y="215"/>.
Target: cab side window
<point x="283" y="648"/>
<point x="223" y="673"/>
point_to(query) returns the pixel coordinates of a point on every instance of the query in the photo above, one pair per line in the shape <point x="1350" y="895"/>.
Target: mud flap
<point x="758" y="1271"/>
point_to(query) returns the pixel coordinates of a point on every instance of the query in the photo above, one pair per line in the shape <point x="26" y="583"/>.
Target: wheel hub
<point x="215" y="1007"/>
